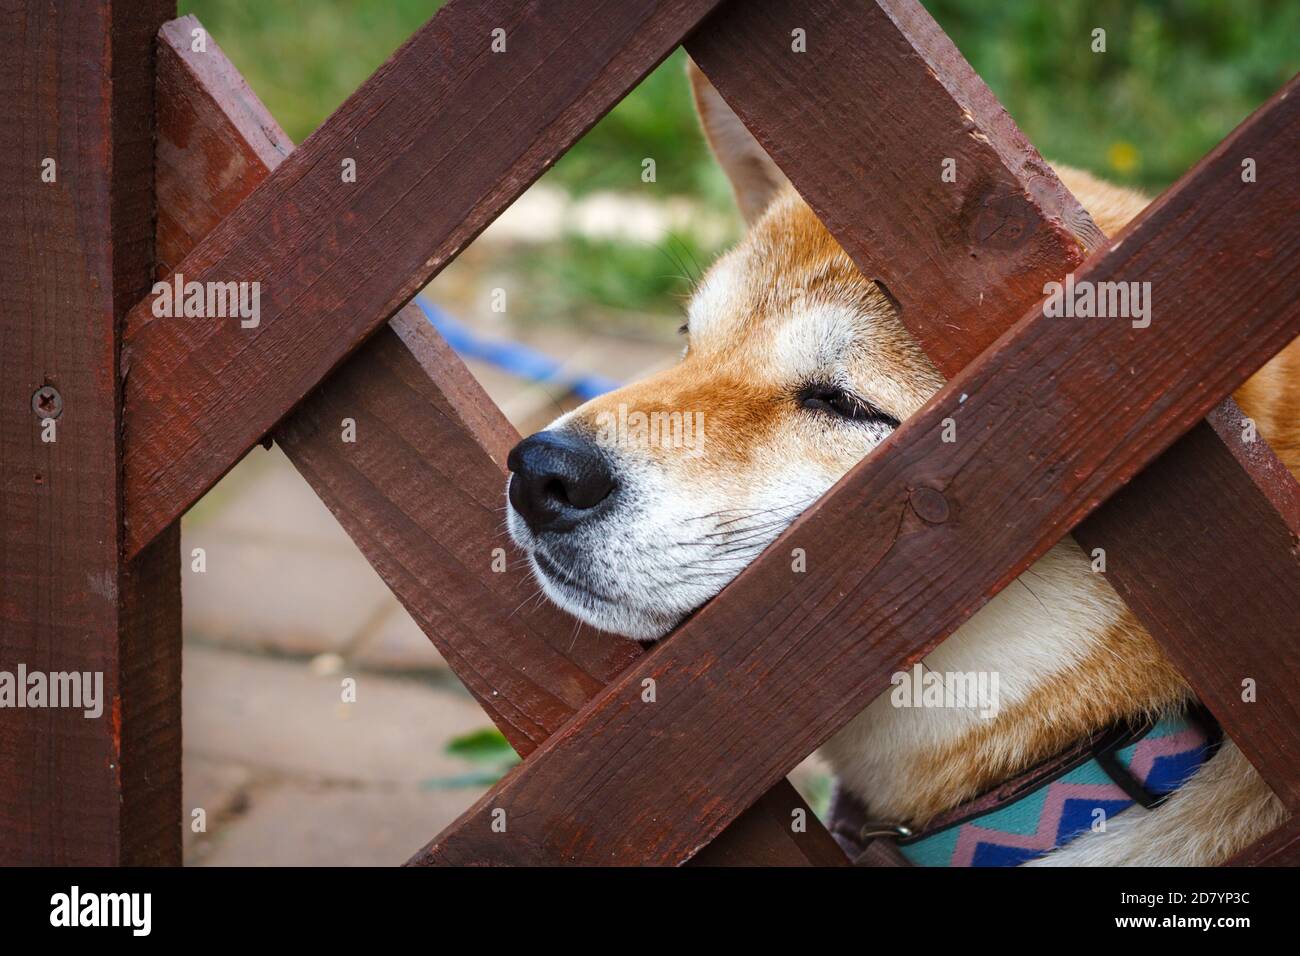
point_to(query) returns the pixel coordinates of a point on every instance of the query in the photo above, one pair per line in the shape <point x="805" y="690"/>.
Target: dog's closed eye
<point x="833" y="400"/>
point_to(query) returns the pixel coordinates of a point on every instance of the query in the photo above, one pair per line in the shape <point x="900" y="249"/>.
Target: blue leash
<point x="512" y="357"/>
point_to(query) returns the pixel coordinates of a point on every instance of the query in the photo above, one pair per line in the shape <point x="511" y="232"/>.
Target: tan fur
<point x="754" y="177"/>
<point x="788" y="260"/>
<point x="1111" y="207"/>
<point x="1235" y="806"/>
<point x="1082" y="698"/>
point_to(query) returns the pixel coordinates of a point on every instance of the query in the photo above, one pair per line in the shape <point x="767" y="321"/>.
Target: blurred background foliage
<point x="1176" y="77"/>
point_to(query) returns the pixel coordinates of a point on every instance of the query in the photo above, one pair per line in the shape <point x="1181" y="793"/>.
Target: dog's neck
<point x="1069" y="660"/>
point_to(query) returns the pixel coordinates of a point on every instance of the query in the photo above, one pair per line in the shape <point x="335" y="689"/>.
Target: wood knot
<point x="929" y="504"/>
<point x="997" y="216"/>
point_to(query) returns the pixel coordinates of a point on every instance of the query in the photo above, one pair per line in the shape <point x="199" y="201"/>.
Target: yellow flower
<point x="1123" y="157"/>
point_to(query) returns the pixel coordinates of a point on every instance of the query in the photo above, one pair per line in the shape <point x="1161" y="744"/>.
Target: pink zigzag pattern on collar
<point x="1149" y="749"/>
<point x="1049" y="820"/>
<point x="1145" y="754"/>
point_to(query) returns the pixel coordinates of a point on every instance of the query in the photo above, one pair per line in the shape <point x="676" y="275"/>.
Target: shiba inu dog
<point x="799" y="367"/>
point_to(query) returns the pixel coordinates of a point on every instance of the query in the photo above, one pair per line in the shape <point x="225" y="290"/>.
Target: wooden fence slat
<point x="921" y="533"/>
<point x="1212" y="573"/>
<point x="444" y="136"/>
<point x="1279" y="848"/>
<point x="862" y="124"/>
<point x="883" y="99"/>
<point x="422" y="498"/>
<point x="421" y="490"/>
<point x="77" y="249"/>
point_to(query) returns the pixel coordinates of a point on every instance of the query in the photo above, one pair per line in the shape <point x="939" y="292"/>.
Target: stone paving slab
<point x="278" y="716"/>
<point x="396" y="643"/>
<point x="218" y="788"/>
<point x="289" y="775"/>
<point x="314" y="826"/>
<point x="281" y="595"/>
<point x="275" y="504"/>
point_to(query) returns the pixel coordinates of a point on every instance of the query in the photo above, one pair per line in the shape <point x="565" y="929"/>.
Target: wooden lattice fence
<point x="153" y="411"/>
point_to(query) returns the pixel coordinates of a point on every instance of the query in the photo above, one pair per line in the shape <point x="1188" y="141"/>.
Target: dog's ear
<point x="755" y="179"/>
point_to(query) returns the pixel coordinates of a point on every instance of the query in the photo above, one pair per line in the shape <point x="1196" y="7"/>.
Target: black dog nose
<point x="558" y="479"/>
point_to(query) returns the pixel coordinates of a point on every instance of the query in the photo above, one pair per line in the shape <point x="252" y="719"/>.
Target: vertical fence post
<point x="94" y="780"/>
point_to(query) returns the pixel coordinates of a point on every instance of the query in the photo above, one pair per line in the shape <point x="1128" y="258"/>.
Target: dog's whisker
<point x="574" y="641"/>
<point x="734" y="556"/>
<point x="795" y="507"/>
<point x="539" y="590"/>
<point x="742" y="529"/>
<point x="747" y="534"/>
<point x="757" y="514"/>
<point x="797" y="503"/>
<point x="714" y="514"/>
<point x="747" y="548"/>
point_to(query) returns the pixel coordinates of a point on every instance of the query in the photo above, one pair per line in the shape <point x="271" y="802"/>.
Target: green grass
<point x="304" y="57"/>
<point x="607" y="283"/>
<point x="488" y="754"/>
<point x="656" y="121"/>
<point x="1177" y="76"/>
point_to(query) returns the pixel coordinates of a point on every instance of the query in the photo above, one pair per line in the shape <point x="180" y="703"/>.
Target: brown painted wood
<point x="1267" y="471"/>
<point x="861" y="124"/>
<point x="1218" y="585"/>
<point x="421" y="490"/>
<point x="883" y="97"/>
<point x="1054" y="418"/>
<point x="1279" y="848"/>
<point x="77" y="252"/>
<point x="444" y="137"/>
<point x="421" y="493"/>
<point x="217" y="140"/>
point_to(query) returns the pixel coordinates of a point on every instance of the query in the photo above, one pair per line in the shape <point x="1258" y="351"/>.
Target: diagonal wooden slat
<point x="917" y="537"/>
<point x="864" y="143"/>
<point x="420" y="493"/>
<point x="862" y="124"/>
<point x="1204" y="547"/>
<point x="1279" y="848"/>
<point x="421" y="490"/>
<point x="444" y="136"/>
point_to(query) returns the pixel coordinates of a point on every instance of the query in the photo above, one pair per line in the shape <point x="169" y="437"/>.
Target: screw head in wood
<point x="47" y="402"/>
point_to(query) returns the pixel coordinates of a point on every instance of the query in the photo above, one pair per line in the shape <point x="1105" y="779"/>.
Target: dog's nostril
<point x="558" y="479"/>
<point x="555" y="489"/>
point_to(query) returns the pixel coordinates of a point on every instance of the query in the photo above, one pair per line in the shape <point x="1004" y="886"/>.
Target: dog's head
<point x="639" y="506"/>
